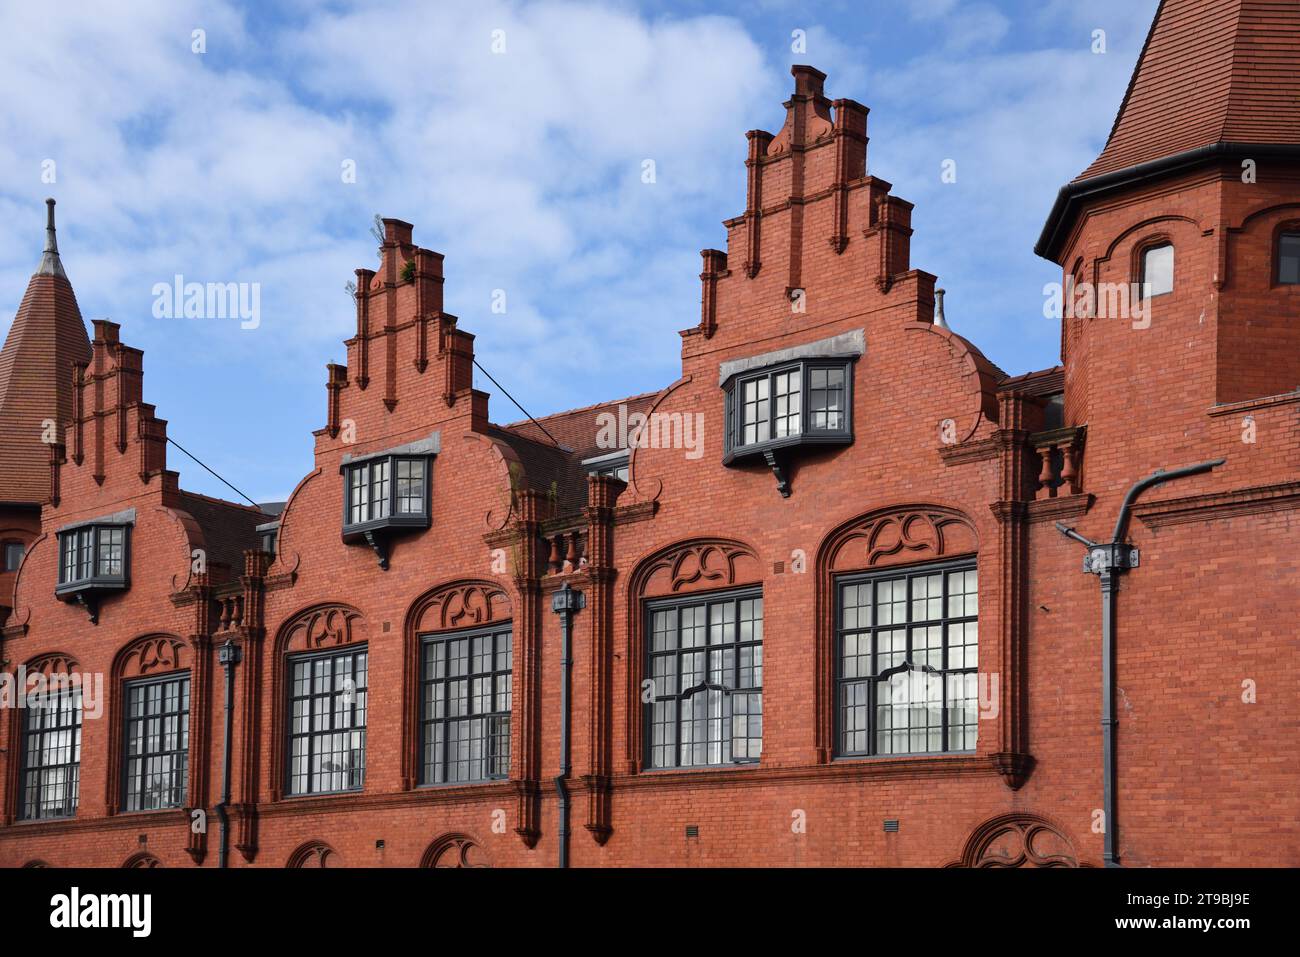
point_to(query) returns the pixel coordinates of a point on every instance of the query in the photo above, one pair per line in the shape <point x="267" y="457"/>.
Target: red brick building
<point x="826" y="617"/>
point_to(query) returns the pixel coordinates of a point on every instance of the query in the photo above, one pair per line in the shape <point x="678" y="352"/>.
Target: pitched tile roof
<point x="36" y="369"/>
<point x="1212" y="71"/>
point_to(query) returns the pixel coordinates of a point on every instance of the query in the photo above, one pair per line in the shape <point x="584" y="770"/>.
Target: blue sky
<point x="523" y="168"/>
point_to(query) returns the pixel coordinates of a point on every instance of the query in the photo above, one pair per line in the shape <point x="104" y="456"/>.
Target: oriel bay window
<point x="327" y="721"/>
<point x="907" y="654"/>
<point x="386" y="493"/>
<point x="465" y="712"/>
<point x="775" y="410"/>
<point x="94" y="560"/>
<point x="51" y="754"/>
<point x="157" y="751"/>
<point x="705" y="661"/>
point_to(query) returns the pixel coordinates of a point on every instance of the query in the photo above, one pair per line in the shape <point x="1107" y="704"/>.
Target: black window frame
<point x="733" y="596"/>
<point x="878" y="678"/>
<point x="493" y="753"/>
<point x="361" y="701"/>
<point x="392" y="518"/>
<point x="180" y="755"/>
<point x="88" y="574"/>
<point x="1292" y="233"/>
<point x="736" y="447"/>
<point x="31" y="786"/>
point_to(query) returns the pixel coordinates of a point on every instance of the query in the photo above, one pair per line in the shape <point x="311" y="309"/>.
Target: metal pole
<point x="565" y="603"/>
<point x="1108" y="560"/>
<point x="229" y="656"/>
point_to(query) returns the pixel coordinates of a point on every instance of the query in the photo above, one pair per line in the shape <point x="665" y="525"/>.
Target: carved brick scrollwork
<point x="462" y="605"/>
<point x="153" y="655"/>
<point x="323" y="627"/>
<point x="315" y="854"/>
<point x="1019" y="839"/>
<point x="900" y="536"/>
<point x="455" y="850"/>
<point x="696" y="566"/>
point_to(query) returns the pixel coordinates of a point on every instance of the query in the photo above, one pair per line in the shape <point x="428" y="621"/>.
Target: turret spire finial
<point x="50" y="263"/>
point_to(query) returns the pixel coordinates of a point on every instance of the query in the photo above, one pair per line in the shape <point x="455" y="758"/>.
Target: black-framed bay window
<point x="466" y="696"/>
<point x="806" y="402"/>
<point x="327" y="721"/>
<point x="51" y="754"/>
<point x="383" y="494"/>
<point x="704" y="657"/>
<point x="94" y="557"/>
<point x="156" y="727"/>
<point x="907" y="654"/>
<point x="388" y="490"/>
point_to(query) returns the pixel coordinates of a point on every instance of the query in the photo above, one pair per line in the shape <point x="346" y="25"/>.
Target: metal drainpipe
<point x="228" y="655"/>
<point x="1108" y="560"/>
<point x="565" y="603"/>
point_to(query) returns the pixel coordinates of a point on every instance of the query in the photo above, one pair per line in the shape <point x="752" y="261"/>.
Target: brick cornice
<point x="1202" y="508"/>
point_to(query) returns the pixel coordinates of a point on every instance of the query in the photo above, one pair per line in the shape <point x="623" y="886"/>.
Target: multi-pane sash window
<point x="157" y="729"/>
<point x="51" y="768"/>
<point x="907" y="655"/>
<point x="465" y="715"/>
<point x="93" y="554"/>
<point x="705" y="659"/>
<point x="410" y="486"/>
<point x="327" y="721"/>
<point x="803" y="402"/>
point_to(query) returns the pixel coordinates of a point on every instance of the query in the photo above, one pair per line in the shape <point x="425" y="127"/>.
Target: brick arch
<point x="323" y="625"/>
<point x="34" y="864"/>
<point x="140" y="860"/>
<point x="314" y="854"/>
<point x="48" y="664"/>
<point x="465" y="603"/>
<point x="896" y="535"/>
<point x="455" y="850"/>
<point x="701" y="564"/>
<point x="150" y="656"/>
<point x="682" y="568"/>
<point x="314" y="628"/>
<point x="1018" y="839"/>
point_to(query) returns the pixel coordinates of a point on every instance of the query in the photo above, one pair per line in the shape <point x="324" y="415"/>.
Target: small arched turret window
<point x="1288" y="258"/>
<point x="1157" y="276"/>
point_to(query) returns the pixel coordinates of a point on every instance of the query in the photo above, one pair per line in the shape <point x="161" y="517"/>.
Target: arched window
<point x="697" y="629"/>
<point x="1157" y="273"/>
<point x="1288" y="257"/>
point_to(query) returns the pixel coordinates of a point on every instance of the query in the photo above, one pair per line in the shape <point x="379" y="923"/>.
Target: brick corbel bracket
<point x="1015" y="768"/>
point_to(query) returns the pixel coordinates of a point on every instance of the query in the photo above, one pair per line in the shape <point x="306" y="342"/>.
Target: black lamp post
<point x="566" y="603"/>
<point x="228" y="656"/>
